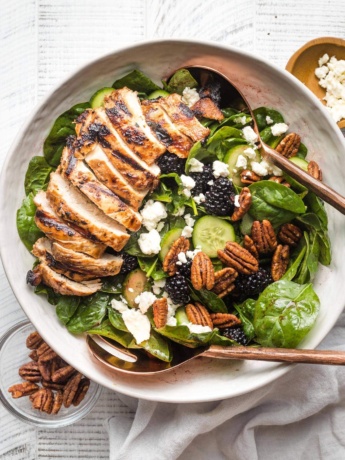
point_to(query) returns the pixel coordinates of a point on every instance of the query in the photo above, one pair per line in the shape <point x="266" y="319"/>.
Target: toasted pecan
<point x="249" y="244"/>
<point x="280" y="261"/>
<point x="160" y="312"/>
<point x="169" y="263"/>
<point x="224" y="281"/>
<point x="57" y="404"/>
<point x="264" y="237"/>
<point x="290" y="234"/>
<point x="222" y="320"/>
<point x="202" y="272"/>
<point x="71" y="388"/>
<point x="34" y="340"/>
<point x="314" y="170"/>
<point x="245" y="201"/>
<point x="289" y="146"/>
<point x="30" y="372"/>
<point x="198" y="314"/>
<point x="23" y="389"/>
<point x="81" y="391"/>
<point x="237" y="257"/>
<point x="249" y="177"/>
<point x="279" y="180"/>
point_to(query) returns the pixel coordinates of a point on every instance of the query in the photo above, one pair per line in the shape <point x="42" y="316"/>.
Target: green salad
<point x="229" y="244"/>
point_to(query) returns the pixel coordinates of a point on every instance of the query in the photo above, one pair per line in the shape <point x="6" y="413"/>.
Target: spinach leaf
<point x="52" y="296"/>
<point x="116" y="319"/>
<point x="269" y="139"/>
<point x="325" y="256"/>
<point x="158" y="347"/>
<point x="179" y="81"/>
<point x="284" y="314"/>
<point x="246" y="311"/>
<point x="182" y="335"/>
<point x="66" y="307"/>
<point x="37" y="175"/>
<point x="246" y="224"/>
<point x="226" y="132"/>
<point x="162" y="193"/>
<point x="136" y="81"/>
<point x="296" y="186"/>
<point x="113" y="284"/>
<point x="294" y="264"/>
<point x="274" y="202"/>
<point x="261" y="113"/>
<point x="62" y="128"/>
<point x="107" y="330"/>
<point x="222" y="341"/>
<point x="316" y="206"/>
<point x="303" y="273"/>
<point x="27" y="229"/>
<point x="209" y="299"/>
<point x="200" y="153"/>
<point x="90" y="313"/>
<point x="302" y="151"/>
<point x="152" y="267"/>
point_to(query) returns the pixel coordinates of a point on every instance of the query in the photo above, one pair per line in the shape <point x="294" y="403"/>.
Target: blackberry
<point x="129" y="263"/>
<point x="201" y="180"/>
<point x="185" y="269"/>
<point x="237" y="334"/>
<point x="170" y="163"/>
<point x="220" y="198"/>
<point x="254" y="284"/>
<point x="177" y="288"/>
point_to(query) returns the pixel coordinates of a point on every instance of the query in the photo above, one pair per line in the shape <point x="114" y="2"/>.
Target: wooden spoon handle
<point x="277" y="355"/>
<point x="319" y="188"/>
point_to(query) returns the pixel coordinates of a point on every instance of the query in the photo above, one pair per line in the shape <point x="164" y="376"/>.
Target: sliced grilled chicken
<point x="106" y="200"/>
<point x="61" y="284"/>
<point x="183" y="118"/>
<point x="107" y="265"/>
<point x="43" y="251"/>
<point x="206" y="108"/>
<point x="158" y="120"/>
<point x="73" y="206"/>
<point x="86" y="136"/>
<point x="55" y="228"/>
<point x="124" y="111"/>
<point x="103" y="169"/>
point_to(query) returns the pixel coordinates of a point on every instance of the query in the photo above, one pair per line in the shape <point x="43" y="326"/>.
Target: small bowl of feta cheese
<point x="320" y="65"/>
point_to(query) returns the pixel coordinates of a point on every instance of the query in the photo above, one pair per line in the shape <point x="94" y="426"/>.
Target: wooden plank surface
<point x="43" y="40"/>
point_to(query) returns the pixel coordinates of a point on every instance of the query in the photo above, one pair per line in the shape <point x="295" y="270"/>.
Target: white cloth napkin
<point x="299" y="416"/>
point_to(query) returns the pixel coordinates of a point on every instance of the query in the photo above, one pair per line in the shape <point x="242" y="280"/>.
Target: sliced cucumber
<point x="211" y="233"/>
<point x="231" y="160"/>
<point x="181" y="316"/>
<point x="167" y="241"/>
<point x="135" y="283"/>
<point x="303" y="164"/>
<point x="158" y="93"/>
<point x="97" y="100"/>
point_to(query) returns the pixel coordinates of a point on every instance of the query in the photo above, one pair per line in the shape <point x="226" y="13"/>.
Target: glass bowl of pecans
<point x="37" y="386"/>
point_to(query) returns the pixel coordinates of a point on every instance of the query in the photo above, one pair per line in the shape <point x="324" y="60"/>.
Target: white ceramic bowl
<point x="262" y="84"/>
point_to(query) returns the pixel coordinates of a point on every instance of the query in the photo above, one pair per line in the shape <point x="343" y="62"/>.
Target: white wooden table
<point x="41" y="41"/>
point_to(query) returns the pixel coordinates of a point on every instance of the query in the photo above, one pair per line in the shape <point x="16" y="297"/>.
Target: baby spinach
<point x="209" y="299"/>
<point x="269" y="139"/>
<point x="107" y="330"/>
<point x="152" y="267"/>
<point x="66" y="305"/>
<point x="246" y="311"/>
<point x="294" y="264"/>
<point x="284" y="314"/>
<point x="90" y="313"/>
<point x="116" y="319"/>
<point x="157" y="346"/>
<point x="261" y="113"/>
<point x="274" y="202"/>
<point x="223" y="341"/>
<point x="179" y="81"/>
<point x="182" y="335"/>
<point x="37" y="175"/>
<point x="62" y="128"/>
<point x="136" y="81"/>
<point x="316" y="206"/>
<point x="113" y="284"/>
<point x="302" y="151"/>
<point x="27" y="229"/>
<point x="199" y="152"/>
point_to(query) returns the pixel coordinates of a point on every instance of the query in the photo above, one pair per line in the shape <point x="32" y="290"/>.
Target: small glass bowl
<point x="13" y="354"/>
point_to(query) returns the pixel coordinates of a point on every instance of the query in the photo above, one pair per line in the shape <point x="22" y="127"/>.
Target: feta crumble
<point x="189" y="220"/>
<point x="210" y="182"/>
<point x="137" y="324"/>
<point x="241" y="120"/>
<point x="249" y="153"/>
<point x="250" y="135"/>
<point x="237" y="202"/>
<point x="190" y="96"/>
<point x="182" y="257"/>
<point x="188" y="184"/>
<point x="192" y="254"/>
<point x="145" y="300"/>
<point x="150" y="243"/>
<point x="241" y="162"/>
<point x="199" y="198"/>
<point x="197" y="328"/>
<point x="323" y="59"/>
<point x="279" y="128"/>
<point x="187" y="232"/>
<point x="180" y="211"/>
<point x="195" y="165"/>
<point x="220" y="169"/>
<point x="266" y="167"/>
<point x="118" y="305"/>
<point x="158" y="286"/>
<point x="269" y="120"/>
<point x="152" y="213"/>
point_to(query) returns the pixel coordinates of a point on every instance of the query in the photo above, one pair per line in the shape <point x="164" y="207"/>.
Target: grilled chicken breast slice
<point x="183" y="118"/>
<point x="169" y="135"/>
<point x="86" y="136"/>
<point x="206" y="108"/>
<point x="59" y="283"/>
<point x="124" y="111"/>
<point x="107" y="265"/>
<point x="42" y="249"/>
<point x="106" y="200"/>
<point x="56" y="229"/>
<point x="103" y="169"/>
<point x="73" y="206"/>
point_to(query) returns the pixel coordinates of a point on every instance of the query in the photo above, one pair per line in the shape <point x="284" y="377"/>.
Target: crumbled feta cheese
<point x="187" y="232"/>
<point x="250" y="135"/>
<point x="145" y="300"/>
<point x="220" y="169"/>
<point x="237" y="202"/>
<point x="137" y="324"/>
<point x="123" y="300"/>
<point x="189" y="220"/>
<point x="323" y="60"/>
<point x="241" y="120"/>
<point x="160" y="226"/>
<point x="192" y="254"/>
<point x="199" y="198"/>
<point x="195" y="165"/>
<point x="190" y="96"/>
<point x="321" y="72"/>
<point x="276" y="171"/>
<point x="279" y="128"/>
<point x="241" y="162"/>
<point x="197" y="328"/>
<point x="259" y="168"/>
<point x="182" y="257"/>
<point x="180" y="211"/>
<point x="187" y="193"/>
<point x="130" y="290"/>
<point x="152" y="213"/>
<point x="249" y="153"/>
<point x="171" y="321"/>
<point x="187" y="182"/>
<point x="150" y="243"/>
<point x="158" y="286"/>
<point x="118" y="305"/>
<point x="210" y="182"/>
<point x="269" y="120"/>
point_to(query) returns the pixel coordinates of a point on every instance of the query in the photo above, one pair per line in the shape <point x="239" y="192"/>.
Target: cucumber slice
<point x="181" y="316"/>
<point x="231" y="160"/>
<point x="97" y="100"/>
<point x="135" y="283"/>
<point x="211" y="233"/>
<point x="167" y="241"/>
<point x="303" y="164"/>
<point x="158" y="93"/>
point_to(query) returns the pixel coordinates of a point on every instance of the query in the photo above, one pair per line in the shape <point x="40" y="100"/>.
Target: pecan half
<point x="30" y="372"/>
<point x="58" y="399"/>
<point x="83" y="387"/>
<point x="249" y="177"/>
<point x="45" y="353"/>
<point x="224" y="281"/>
<point x="288" y="147"/>
<point x="34" y="340"/>
<point x="52" y="385"/>
<point x="45" y="369"/>
<point x="249" y="244"/>
<point x="202" y="272"/>
<point x="290" y="234"/>
<point x="33" y="355"/>
<point x="160" y="312"/>
<point x="238" y="258"/>
<point x="169" y="263"/>
<point x="264" y="237"/>
<point x="62" y="374"/>
<point x="245" y="201"/>
<point x="280" y="180"/>
<point x="43" y="400"/>
<point x="23" y="389"/>
<point x="222" y="320"/>
<point x="280" y="261"/>
<point x="314" y="170"/>
<point x="71" y="389"/>
<point x="198" y="314"/>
